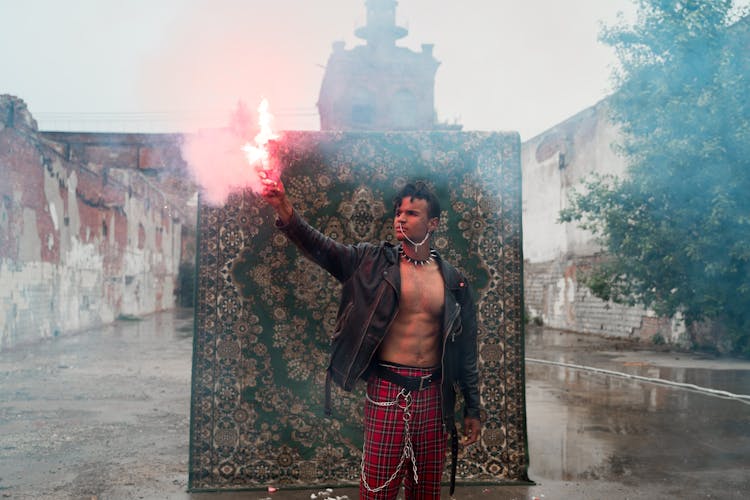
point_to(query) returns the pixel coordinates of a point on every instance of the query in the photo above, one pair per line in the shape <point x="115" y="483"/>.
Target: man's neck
<point x="422" y="255"/>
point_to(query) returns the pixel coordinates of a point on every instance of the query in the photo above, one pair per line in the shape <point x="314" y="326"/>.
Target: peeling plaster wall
<point x="87" y="232"/>
<point x="555" y="254"/>
<point x="552" y="293"/>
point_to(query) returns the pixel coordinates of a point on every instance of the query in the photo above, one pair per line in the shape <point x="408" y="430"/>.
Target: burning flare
<point x="257" y="155"/>
<point x="222" y="160"/>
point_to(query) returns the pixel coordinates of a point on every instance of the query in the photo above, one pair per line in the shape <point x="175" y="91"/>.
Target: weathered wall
<point x="554" y="163"/>
<point x="88" y="232"/>
<point x="553" y="294"/>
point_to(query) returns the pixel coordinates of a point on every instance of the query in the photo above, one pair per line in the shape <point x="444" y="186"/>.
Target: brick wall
<point x="92" y="226"/>
<point x="554" y="296"/>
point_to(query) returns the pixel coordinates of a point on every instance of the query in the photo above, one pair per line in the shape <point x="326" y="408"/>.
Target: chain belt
<point x="403" y="400"/>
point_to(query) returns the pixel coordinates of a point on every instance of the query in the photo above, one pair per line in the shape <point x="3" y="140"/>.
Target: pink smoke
<point x="220" y="159"/>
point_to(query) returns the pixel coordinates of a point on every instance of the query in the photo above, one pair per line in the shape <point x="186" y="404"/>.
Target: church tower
<point x="379" y="86"/>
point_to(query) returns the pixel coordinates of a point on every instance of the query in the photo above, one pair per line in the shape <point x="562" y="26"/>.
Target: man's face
<point x="412" y="219"/>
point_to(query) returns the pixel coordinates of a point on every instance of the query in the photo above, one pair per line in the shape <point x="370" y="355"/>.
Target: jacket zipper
<point x="450" y="325"/>
<point x="442" y="361"/>
<point x="388" y="327"/>
<point x="364" y="332"/>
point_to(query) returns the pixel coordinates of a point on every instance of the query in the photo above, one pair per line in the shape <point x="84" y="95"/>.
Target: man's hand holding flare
<point x="274" y="194"/>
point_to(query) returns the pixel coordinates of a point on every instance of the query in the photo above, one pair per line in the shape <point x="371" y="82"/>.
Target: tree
<point x="677" y="227"/>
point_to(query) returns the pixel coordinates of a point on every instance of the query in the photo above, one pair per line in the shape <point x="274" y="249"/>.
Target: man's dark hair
<point x="420" y="191"/>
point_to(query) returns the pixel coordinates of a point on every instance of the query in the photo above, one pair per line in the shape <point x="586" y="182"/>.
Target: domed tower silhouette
<point x="381" y="29"/>
<point x="379" y="86"/>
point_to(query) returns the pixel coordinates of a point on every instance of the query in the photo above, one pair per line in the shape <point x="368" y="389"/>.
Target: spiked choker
<point x="416" y="262"/>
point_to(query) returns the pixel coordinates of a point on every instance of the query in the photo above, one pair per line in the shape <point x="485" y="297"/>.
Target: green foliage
<point x="677" y="229"/>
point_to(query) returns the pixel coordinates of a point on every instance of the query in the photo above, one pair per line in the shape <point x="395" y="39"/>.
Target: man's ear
<point x="433" y="224"/>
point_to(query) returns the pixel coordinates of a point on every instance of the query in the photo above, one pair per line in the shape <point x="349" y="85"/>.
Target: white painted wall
<point x="553" y="164"/>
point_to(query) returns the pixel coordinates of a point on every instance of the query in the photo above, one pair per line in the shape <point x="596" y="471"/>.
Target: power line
<point x="168" y="120"/>
<point x="165" y="114"/>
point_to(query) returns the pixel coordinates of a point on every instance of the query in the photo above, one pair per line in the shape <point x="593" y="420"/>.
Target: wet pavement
<point x="105" y="415"/>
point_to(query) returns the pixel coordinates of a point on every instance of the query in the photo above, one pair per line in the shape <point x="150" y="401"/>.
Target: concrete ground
<point x="105" y="415"/>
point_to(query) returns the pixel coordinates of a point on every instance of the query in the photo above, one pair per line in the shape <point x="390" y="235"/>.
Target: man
<point x="407" y="325"/>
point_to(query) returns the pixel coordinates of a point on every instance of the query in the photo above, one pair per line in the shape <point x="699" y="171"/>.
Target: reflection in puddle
<point x="588" y="425"/>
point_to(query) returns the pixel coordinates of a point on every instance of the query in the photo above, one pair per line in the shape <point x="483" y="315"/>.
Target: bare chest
<point x="422" y="290"/>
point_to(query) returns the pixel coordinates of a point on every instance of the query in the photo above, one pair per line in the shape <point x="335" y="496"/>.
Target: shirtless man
<point x="407" y="325"/>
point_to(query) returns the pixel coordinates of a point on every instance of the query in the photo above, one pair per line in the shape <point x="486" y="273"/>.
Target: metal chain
<point x="408" y="448"/>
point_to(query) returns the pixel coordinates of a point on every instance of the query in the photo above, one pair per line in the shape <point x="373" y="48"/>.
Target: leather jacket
<point x="369" y="302"/>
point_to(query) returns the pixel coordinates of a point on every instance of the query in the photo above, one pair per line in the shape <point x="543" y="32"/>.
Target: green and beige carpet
<point x="264" y="314"/>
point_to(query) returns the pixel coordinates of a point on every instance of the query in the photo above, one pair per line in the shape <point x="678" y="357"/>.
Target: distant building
<point x="556" y="255"/>
<point x="379" y="86"/>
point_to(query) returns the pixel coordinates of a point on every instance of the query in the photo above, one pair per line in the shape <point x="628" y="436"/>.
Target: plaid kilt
<point x="384" y="439"/>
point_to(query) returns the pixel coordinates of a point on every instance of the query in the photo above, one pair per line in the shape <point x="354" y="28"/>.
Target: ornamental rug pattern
<point x="264" y="313"/>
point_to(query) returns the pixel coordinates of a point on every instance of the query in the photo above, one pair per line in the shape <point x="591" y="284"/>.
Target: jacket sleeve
<point x="337" y="258"/>
<point x="469" y="375"/>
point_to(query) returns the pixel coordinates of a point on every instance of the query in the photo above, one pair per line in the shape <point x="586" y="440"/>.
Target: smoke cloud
<point x="217" y="161"/>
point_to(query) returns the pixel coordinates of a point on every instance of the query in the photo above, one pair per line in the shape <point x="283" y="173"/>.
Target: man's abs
<point x="414" y="337"/>
<point x="412" y="343"/>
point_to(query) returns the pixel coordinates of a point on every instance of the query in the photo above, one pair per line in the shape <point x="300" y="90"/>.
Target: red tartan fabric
<point x="384" y="439"/>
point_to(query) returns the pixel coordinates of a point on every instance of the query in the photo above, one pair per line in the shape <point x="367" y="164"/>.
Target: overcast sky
<point x="154" y="65"/>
